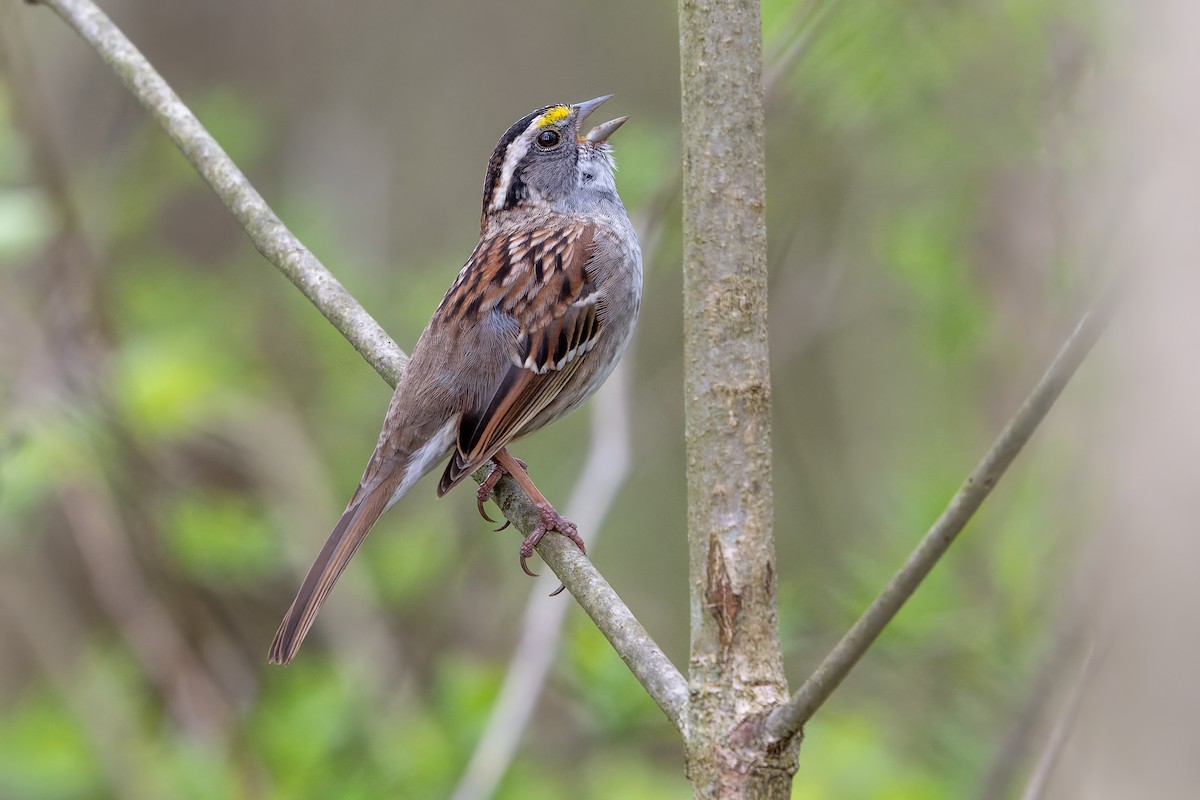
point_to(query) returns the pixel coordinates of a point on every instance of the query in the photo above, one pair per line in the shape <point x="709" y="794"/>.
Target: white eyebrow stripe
<point x="516" y="152"/>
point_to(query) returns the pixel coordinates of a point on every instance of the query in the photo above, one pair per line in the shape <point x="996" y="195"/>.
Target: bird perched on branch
<point x="530" y="328"/>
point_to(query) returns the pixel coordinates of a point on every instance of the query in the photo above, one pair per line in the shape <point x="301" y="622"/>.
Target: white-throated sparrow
<point x="534" y="323"/>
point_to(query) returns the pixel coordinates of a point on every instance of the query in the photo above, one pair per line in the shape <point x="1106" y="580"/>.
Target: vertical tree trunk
<point x="736" y="670"/>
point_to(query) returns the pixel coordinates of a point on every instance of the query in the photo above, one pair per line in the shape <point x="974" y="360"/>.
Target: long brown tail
<point x="350" y="531"/>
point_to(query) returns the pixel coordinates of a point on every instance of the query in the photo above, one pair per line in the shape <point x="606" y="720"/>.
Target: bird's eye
<point x="549" y="138"/>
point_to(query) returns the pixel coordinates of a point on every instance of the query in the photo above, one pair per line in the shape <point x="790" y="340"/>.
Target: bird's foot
<point x="551" y="520"/>
<point x="489" y="483"/>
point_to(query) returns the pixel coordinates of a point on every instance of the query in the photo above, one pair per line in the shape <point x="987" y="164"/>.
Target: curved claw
<point x="559" y="590"/>
<point x="484" y="492"/>
<point x="527" y="546"/>
<point x="480" y="497"/>
<point x="507" y="522"/>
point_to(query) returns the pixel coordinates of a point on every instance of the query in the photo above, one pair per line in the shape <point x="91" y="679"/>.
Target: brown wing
<point x="539" y="280"/>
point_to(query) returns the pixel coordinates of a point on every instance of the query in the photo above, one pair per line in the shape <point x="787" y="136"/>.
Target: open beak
<point x="600" y="133"/>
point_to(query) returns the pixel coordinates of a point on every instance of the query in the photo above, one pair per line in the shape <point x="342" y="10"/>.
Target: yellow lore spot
<point x="556" y="114"/>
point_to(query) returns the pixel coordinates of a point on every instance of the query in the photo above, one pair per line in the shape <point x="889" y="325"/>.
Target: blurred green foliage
<point x="219" y="422"/>
<point x="43" y="753"/>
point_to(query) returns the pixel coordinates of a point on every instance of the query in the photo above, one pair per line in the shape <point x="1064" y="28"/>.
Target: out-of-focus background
<point x="179" y="428"/>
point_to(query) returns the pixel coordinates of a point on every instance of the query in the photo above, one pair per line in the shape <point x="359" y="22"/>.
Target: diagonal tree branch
<point x="272" y="238"/>
<point x="787" y="720"/>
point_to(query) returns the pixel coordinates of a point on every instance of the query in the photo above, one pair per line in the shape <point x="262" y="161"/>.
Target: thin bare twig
<point x="649" y="664"/>
<point x="787" y="720"/>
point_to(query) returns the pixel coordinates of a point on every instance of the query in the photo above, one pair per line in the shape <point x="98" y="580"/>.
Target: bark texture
<point x="736" y="670"/>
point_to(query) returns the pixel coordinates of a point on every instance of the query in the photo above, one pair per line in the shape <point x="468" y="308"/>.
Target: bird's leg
<point x="489" y="483"/>
<point x="551" y="520"/>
